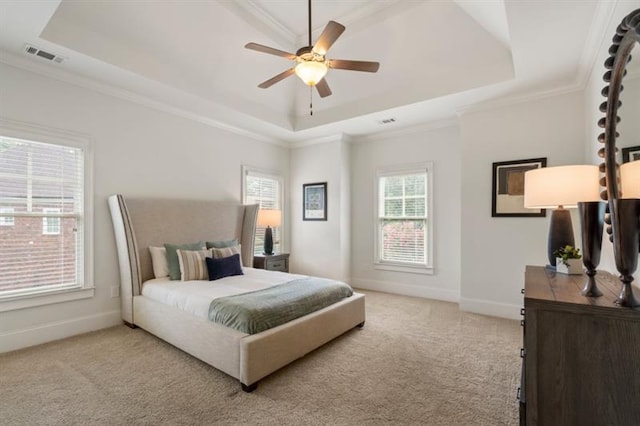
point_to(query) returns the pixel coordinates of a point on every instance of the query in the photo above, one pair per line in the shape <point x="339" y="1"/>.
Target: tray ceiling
<point x="435" y="56"/>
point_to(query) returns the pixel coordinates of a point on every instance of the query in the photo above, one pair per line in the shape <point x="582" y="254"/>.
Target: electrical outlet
<point x="115" y="291"/>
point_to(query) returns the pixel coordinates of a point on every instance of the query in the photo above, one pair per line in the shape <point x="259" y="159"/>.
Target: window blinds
<point x="403" y="217"/>
<point x="41" y="215"/>
<point x="264" y="190"/>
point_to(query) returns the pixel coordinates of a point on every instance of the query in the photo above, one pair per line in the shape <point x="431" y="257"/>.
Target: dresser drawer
<point x="276" y="262"/>
<point x="277" y="265"/>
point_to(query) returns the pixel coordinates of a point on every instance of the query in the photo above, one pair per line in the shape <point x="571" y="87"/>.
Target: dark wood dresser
<point x="581" y="356"/>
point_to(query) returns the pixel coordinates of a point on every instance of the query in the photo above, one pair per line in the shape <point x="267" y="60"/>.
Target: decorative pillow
<point x="192" y="264"/>
<point x="219" y="253"/>
<point x="224" y="267"/>
<point x="222" y="243"/>
<point x="159" y="261"/>
<point x="172" y="256"/>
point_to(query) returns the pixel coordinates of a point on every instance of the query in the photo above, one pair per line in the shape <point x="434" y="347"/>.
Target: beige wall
<point x="138" y="151"/>
<point x="496" y="250"/>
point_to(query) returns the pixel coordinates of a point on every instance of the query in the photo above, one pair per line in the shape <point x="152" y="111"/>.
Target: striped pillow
<point x="192" y="264"/>
<point x="219" y="253"/>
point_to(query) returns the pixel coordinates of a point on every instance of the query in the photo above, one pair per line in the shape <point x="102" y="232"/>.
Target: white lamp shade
<point x="311" y="72"/>
<point x="630" y="179"/>
<point x="270" y="218"/>
<point x="550" y="187"/>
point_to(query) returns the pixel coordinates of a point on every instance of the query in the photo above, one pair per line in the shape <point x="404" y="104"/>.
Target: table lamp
<point x="269" y="219"/>
<point x="560" y="188"/>
<point x="630" y="179"/>
<point x="625" y="213"/>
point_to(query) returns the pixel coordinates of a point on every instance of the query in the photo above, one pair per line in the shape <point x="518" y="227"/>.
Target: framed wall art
<point x="631" y="153"/>
<point x="508" y="188"/>
<point x="314" y="201"/>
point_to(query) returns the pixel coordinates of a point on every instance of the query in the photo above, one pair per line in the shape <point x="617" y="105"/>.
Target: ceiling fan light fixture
<point x="311" y="72"/>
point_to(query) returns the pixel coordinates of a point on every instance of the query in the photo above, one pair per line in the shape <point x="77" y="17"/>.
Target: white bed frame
<point x="140" y="223"/>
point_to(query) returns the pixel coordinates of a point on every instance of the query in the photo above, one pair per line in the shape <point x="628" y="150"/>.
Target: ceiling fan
<point x="311" y="62"/>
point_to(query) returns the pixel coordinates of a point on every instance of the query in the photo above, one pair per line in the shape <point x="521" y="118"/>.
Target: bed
<point x="140" y="223"/>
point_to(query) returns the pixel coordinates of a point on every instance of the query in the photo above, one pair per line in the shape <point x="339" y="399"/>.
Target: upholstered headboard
<point x="139" y="223"/>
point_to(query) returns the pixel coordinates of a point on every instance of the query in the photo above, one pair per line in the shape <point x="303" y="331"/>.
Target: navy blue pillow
<point x="225" y="267"/>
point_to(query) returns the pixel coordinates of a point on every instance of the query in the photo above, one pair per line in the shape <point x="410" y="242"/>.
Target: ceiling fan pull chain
<point x="310" y="100"/>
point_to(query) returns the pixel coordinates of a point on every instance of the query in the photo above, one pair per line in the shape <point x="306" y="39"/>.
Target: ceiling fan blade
<point x="342" y="64"/>
<point x="329" y="35"/>
<point x="270" y="50"/>
<point x="277" y="78"/>
<point x="323" y="88"/>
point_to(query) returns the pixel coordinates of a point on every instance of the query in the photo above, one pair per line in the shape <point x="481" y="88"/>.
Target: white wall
<point x="138" y="151"/>
<point x="496" y="250"/>
<point x="321" y="248"/>
<point x="420" y="144"/>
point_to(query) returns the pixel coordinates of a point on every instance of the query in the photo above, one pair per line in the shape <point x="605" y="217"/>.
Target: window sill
<point x="30" y="300"/>
<point x="412" y="269"/>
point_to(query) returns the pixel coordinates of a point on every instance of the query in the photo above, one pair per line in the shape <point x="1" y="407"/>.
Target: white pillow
<point x="159" y="261"/>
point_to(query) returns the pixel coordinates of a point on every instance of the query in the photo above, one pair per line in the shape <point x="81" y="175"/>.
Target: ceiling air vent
<point x="387" y="121"/>
<point x="32" y="50"/>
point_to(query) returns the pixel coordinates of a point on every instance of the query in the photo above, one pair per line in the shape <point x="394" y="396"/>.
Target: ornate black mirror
<point x="624" y="212"/>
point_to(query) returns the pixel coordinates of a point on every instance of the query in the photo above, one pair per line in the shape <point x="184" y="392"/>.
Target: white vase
<point x="574" y="268"/>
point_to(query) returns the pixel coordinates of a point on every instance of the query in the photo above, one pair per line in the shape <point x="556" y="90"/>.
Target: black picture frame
<point x="630" y="153"/>
<point x="507" y="191"/>
<point x="314" y="201"/>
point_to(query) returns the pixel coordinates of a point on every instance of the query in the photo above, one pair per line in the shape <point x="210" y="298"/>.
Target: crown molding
<point x="317" y="141"/>
<point x="418" y="128"/>
<point x="363" y="17"/>
<point x="256" y="16"/>
<point x="507" y="101"/>
<point x="596" y="38"/>
<point x="126" y="95"/>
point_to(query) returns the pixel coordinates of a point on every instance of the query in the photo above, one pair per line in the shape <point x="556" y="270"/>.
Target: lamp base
<point x="560" y="233"/>
<point x="590" y="288"/>
<point x="591" y="225"/>
<point x="626" y="299"/>
<point x="268" y="241"/>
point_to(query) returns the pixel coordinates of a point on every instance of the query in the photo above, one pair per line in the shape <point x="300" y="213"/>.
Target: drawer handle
<point x="518" y="393"/>
<point x="522" y="352"/>
<point x="521" y="323"/>
<point x="522" y="291"/>
<point x="522" y="311"/>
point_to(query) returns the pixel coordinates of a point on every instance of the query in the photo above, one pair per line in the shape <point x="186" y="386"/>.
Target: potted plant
<point x="568" y="260"/>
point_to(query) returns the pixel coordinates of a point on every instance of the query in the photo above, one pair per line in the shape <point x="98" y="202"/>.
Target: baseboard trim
<point x="487" y="307"/>
<point x="406" y="289"/>
<point x="19" y="339"/>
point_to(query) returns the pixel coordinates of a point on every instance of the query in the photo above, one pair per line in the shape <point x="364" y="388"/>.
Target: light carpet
<point x="416" y="362"/>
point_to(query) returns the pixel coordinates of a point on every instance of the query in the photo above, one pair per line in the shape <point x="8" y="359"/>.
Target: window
<point x="264" y="189"/>
<point x="6" y="216"/>
<point x="404" y="226"/>
<point x="51" y="222"/>
<point x="43" y="187"/>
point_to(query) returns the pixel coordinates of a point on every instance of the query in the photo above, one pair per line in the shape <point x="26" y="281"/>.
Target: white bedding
<point x="195" y="297"/>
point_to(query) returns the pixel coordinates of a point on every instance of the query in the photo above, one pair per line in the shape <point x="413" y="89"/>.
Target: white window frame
<point x="269" y="174"/>
<point x="415" y="268"/>
<point x="51" y="222"/>
<point x="26" y="298"/>
<point x="6" y="216"/>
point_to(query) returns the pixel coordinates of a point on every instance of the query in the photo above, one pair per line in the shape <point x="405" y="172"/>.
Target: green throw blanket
<point x="264" y="309"/>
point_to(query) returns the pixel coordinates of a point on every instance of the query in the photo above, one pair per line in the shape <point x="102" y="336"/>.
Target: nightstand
<point x="273" y="262"/>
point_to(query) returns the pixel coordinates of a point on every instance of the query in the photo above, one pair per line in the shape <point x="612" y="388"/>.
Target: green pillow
<point x="222" y="243"/>
<point x="172" y="256"/>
